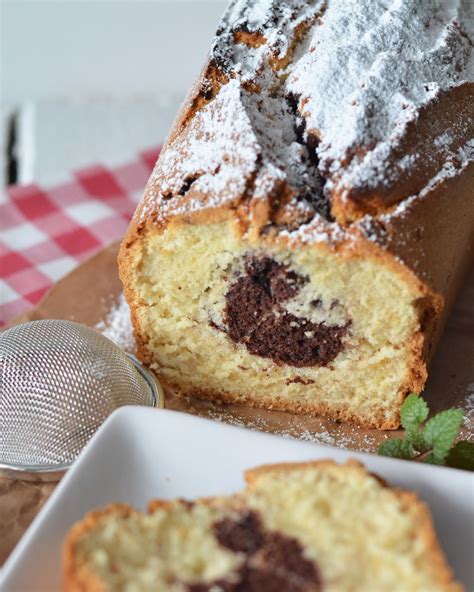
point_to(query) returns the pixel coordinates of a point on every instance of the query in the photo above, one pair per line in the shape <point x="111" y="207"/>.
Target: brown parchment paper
<point x="89" y="293"/>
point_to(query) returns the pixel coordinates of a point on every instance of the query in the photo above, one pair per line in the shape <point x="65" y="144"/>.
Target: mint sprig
<point x="440" y="432"/>
<point x="397" y="448"/>
<point x="432" y="442"/>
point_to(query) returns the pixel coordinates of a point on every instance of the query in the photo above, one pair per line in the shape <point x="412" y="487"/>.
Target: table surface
<point x="104" y="81"/>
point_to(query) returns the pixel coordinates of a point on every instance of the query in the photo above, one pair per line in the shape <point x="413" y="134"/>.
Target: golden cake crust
<point x="76" y="576"/>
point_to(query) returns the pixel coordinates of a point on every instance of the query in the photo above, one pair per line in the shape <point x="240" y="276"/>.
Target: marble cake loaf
<point x="305" y="527"/>
<point x="307" y="225"/>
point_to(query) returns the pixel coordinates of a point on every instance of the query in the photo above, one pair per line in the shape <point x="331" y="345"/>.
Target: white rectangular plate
<point x="140" y="454"/>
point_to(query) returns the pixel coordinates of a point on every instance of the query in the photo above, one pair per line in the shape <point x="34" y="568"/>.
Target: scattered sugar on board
<point x="117" y="326"/>
<point x="341" y="439"/>
<point x="468" y="409"/>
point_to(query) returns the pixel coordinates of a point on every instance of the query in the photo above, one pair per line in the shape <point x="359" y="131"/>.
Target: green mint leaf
<point x="419" y="442"/>
<point x="461" y="456"/>
<point x="396" y="448"/>
<point x="413" y="413"/>
<point x="440" y="433"/>
<point x="433" y="460"/>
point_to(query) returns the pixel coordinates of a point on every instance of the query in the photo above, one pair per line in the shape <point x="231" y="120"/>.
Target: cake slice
<point x="309" y="221"/>
<point x="308" y="527"/>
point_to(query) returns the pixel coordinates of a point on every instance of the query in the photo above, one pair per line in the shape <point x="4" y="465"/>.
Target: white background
<point x="96" y="80"/>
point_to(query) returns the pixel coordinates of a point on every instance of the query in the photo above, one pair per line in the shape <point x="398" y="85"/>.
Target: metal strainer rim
<point x="54" y="472"/>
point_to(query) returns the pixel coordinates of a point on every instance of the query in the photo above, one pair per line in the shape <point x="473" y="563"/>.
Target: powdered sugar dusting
<point x="451" y="168"/>
<point x="317" y="230"/>
<point x="317" y="103"/>
<point x="277" y="22"/>
<point x="117" y="326"/>
<point x="347" y="438"/>
<point x="370" y="68"/>
<point x="218" y="157"/>
<point x="469" y="410"/>
<point x="237" y="136"/>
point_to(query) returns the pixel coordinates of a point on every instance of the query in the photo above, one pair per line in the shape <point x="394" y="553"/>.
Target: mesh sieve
<point x="59" y="382"/>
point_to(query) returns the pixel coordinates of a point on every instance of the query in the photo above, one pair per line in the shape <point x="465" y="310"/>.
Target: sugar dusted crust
<point x="260" y="58"/>
<point x="252" y="155"/>
<point x="79" y="574"/>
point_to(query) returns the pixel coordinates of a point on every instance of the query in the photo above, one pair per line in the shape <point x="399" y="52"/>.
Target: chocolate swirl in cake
<point x="273" y="562"/>
<point x="255" y="316"/>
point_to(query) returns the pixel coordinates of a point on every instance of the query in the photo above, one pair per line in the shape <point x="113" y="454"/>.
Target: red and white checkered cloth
<point x="46" y="232"/>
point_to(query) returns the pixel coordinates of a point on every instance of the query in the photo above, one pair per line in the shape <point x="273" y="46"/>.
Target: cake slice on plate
<point x="310" y="527"/>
